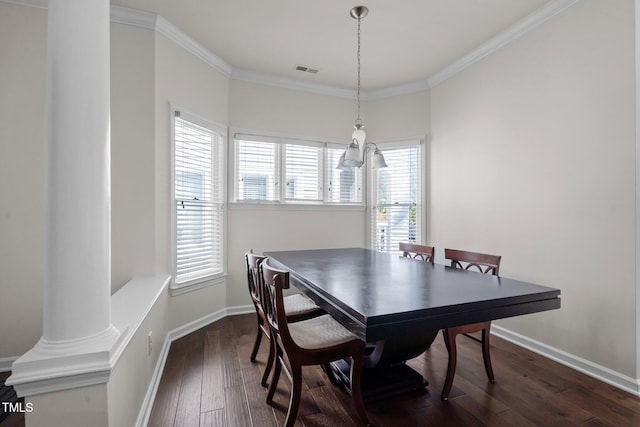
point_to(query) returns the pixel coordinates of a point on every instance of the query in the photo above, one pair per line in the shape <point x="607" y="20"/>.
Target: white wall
<point x="22" y="176"/>
<point x="398" y="117"/>
<point x="533" y="158"/>
<point x="184" y="80"/>
<point x="78" y="407"/>
<point x="130" y="378"/>
<point x="132" y="154"/>
<point x="271" y="109"/>
<point x="23" y="166"/>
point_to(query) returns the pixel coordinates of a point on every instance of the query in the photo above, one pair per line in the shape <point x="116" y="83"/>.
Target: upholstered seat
<point x="317" y="341"/>
<point x="297" y="307"/>
<point x="319" y="332"/>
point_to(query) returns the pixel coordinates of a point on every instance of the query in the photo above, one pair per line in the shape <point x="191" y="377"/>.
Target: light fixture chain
<point x="358" y="92"/>
<point x="356" y="153"/>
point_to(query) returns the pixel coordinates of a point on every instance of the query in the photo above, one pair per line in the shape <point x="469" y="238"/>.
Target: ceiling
<point x="402" y="41"/>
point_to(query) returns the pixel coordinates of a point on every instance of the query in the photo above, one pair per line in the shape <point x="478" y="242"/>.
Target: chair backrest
<point x="254" y="278"/>
<point x="485" y="263"/>
<point x="273" y="283"/>
<point x="411" y="250"/>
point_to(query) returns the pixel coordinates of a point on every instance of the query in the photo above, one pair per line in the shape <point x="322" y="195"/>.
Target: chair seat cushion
<point x="319" y="332"/>
<point x="298" y="304"/>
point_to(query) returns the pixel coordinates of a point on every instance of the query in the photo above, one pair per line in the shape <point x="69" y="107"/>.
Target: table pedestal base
<point x="381" y="382"/>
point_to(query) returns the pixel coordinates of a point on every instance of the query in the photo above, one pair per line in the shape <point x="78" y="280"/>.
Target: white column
<point x="79" y="340"/>
<point x="77" y="275"/>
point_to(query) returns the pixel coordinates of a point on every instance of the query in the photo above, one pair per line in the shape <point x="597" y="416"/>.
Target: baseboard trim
<point x="587" y="367"/>
<point x="594" y="370"/>
<point x="6" y="362"/>
<point x="150" y="396"/>
<point x="174" y="334"/>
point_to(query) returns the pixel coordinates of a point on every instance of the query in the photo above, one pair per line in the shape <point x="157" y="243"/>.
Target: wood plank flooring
<point x="8" y="394"/>
<point x="208" y="381"/>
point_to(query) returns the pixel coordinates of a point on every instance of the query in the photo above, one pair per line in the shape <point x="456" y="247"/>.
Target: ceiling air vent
<point x="306" y="69"/>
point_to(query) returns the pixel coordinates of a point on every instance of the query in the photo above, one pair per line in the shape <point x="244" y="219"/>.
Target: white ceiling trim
<point x="403" y="89"/>
<point x="32" y="3"/>
<point x="183" y="40"/>
<point x="127" y="16"/>
<point x="133" y="17"/>
<point x="496" y="43"/>
<point x="152" y="21"/>
<point x="293" y="84"/>
<point x="157" y="23"/>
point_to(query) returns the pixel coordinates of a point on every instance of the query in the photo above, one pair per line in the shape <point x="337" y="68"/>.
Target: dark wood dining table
<point x="397" y="305"/>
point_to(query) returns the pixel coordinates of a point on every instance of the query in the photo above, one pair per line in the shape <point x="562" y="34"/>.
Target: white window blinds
<point x="303" y="166"/>
<point x="199" y="208"/>
<point x="396" y="198"/>
<point x="280" y="169"/>
<point x="257" y="170"/>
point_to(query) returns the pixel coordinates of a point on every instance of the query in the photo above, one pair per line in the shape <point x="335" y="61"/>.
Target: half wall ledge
<point x="54" y="366"/>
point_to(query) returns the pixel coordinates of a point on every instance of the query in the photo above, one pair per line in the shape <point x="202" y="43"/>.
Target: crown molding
<point x="182" y="39"/>
<point x="152" y="21"/>
<point x="289" y="83"/>
<point x="33" y="3"/>
<point x="294" y="84"/>
<point x="133" y="17"/>
<point x="496" y="43"/>
<point x="391" y="91"/>
<point x="158" y="23"/>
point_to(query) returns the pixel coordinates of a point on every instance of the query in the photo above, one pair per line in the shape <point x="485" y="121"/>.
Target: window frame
<point x="219" y="171"/>
<point x="421" y="194"/>
<point x="321" y="161"/>
<point x="277" y="175"/>
<point x="282" y="200"/>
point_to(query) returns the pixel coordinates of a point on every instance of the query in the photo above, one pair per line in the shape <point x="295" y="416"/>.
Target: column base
<point x="60" y="365"/>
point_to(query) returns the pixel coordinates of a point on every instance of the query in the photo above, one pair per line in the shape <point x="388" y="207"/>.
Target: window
<point x="307" y="170"/>
<point x="258" y="170"/>
<point x="303" y="166"/>
<point x="396" y="197"/>
<point x="199" y="214"/>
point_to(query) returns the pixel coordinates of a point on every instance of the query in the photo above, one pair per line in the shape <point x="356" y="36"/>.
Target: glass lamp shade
<point x="352" y="155"/>
<point x="341" y="164"/>
<point x="377" y="160"/>
<point x="352" y="164"/>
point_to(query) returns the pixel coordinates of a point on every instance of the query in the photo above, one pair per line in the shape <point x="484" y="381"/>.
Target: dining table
<point x="397" y="305"/>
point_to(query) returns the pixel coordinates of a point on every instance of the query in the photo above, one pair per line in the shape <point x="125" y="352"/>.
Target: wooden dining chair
<point x="486" y="264"/>
<point x="317" y="341"/>
<point x="297" y="306"/>
<point x="412" y="250"/>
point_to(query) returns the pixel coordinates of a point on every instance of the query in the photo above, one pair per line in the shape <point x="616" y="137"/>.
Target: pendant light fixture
<point x="355" y="155"/>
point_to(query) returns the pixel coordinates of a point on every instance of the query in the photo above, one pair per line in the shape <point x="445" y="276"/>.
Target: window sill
<point x="175" y="290"/>
<point x="289" y="206"/>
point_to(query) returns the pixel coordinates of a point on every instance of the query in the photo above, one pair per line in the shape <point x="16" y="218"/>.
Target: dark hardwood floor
<point x="208" y="381"/>
<point x="7" y="394"/>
